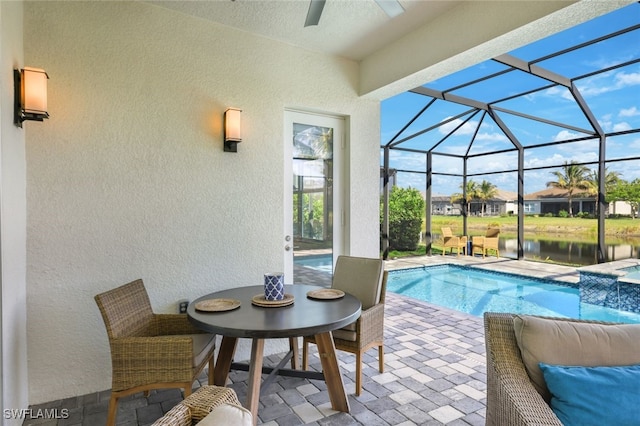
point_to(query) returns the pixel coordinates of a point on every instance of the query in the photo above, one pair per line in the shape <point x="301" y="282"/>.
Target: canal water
<point x="573" y="252"/>
<point x="580" y="253"/>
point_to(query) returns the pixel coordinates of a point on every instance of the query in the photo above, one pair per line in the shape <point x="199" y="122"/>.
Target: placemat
<point x="260" y="300"/>
<point x="326" y="294"/>
<point x="217" y="305"/>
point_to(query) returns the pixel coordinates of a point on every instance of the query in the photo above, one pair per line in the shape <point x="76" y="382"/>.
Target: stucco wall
<point x="128" y="178"/>
<point x="14" y="387"/>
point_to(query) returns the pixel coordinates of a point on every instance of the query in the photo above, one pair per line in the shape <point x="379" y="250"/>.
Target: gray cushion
<point x="573" y="343"/>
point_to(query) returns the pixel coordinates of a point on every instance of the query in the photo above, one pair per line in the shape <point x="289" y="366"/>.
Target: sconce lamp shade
<point x="232" y="129"/>
<point x="30" y="95"/>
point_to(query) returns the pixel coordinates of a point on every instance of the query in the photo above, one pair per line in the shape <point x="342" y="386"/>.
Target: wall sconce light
<point x="30" y="99"/>
<point x="232" y="134"/>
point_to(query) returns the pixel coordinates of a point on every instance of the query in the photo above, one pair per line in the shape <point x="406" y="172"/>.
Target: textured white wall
<point x="13" y="225"/>
<point x="128" y="178"/>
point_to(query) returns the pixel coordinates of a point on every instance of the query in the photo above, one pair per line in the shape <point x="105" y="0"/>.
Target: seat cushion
<point x="344" y="334"/>
<point x="228" y="414"/>
<point x="203" y="345"/>
<point x="573" y="343"/>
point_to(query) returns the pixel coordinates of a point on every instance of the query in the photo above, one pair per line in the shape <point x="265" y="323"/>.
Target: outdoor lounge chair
<point x="518" y="392"/>
<point x="150" y="351"/>
<point x="450" y="242"/>
<point x="208" y="405"/>
<point x="488" y="242"/>
<point x="365" y="279"/>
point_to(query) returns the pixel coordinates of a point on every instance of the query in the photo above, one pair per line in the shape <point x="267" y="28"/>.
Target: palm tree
<point x="611" y="179"/>
<point x="571" y="178"/>
<point x="471" y="193"/>
<point x="485" y="192"/>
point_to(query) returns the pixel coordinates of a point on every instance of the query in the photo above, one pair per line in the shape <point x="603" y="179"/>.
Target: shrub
<point x="406" y="210"/>
<point x="563" y="213"/>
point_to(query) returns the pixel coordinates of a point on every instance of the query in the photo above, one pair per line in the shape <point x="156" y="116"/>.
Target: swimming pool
<point x="321" y="262"/>
<point x="477" y="291"/>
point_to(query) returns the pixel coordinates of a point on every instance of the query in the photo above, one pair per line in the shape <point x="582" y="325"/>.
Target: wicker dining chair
<point x="487" y="243"/>
<point x="148" y="350"/>
<point x="365" y="279"/>
<point x="450" y="241"/>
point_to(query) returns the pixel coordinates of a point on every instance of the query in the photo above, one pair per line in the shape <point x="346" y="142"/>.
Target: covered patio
<point x="435" y="371"/>
<point x="128" y="179"/>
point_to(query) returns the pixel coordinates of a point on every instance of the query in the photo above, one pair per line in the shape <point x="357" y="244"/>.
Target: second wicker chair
<point x="366" y="279"/>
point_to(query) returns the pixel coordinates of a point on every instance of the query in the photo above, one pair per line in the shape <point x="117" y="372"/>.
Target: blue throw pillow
<point x="594" y="395"/>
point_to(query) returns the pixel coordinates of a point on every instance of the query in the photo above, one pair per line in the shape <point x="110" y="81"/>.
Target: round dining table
<point x="240" y="317"/>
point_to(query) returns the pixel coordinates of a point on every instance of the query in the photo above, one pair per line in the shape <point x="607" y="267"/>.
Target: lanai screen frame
<point x="490" y="108"/>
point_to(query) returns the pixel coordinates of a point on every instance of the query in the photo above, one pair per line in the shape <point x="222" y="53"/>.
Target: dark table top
<point x="305" y="317"/>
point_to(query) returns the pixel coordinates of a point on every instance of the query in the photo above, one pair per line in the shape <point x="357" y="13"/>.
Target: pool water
<point x="633" y="272"/>
<point x="475" y="291"/>
<point x="322" y="262"/>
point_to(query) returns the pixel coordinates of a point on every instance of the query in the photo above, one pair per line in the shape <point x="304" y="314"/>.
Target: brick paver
<point x="435" y="371"/>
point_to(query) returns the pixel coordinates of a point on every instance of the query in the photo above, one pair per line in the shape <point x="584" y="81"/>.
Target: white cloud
<point x="564" y="135"/>
<point x="597" y="85"/>
<point x="467" y="128"/>
<point x="621" y="127"/>
<point x="623" y="79"/>
<point x="500" y="137"/>
<point x="629" y="112"/>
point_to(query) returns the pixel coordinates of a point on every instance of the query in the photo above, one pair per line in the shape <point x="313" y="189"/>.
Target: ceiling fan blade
<point x="392" y="8"/>
<point x="315" y="10"/>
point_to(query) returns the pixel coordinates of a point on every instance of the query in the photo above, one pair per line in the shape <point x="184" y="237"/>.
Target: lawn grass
<point x="618" y="227"/>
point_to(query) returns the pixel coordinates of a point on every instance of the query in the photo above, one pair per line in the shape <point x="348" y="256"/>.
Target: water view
<point x="578" y="253"/>
<point x="563" y="250"/>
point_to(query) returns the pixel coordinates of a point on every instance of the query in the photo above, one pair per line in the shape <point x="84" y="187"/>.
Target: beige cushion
<point x="203" y="344"/>
<point x="343" y="334"/>
<point x="228" y="414"/>
<point x="361" y="277"/>
<point x="573" y="343"/>
<point x="177" y="416"/>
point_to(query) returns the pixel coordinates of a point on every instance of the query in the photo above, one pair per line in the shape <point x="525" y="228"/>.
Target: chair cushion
<point x="594" y="395"/>
<point x="228" y="414"/>
<point x="203" y="344"/>
<point x="573" y="343"/>
<point x="361" y="277"/>
<point x="344" y="334"/>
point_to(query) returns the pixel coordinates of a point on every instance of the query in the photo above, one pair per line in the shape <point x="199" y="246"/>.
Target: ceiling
<point x="352" y="29"/>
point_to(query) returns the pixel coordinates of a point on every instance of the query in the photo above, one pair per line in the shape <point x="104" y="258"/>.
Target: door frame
<point x="340" y="183"/>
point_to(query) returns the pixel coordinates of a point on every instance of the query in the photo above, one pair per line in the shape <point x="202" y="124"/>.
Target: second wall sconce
<point x="232" y="129"/>
<point x="30" y="98"/>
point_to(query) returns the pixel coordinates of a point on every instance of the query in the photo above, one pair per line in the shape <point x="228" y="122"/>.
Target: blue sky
<point x="613" y="96"/>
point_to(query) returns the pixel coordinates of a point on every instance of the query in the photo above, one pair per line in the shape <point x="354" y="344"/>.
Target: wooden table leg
<point x="255" y="377"/>
<point x="224" y="360"/>
<point x="331" y="371"/>
<point x="293" y="347"/>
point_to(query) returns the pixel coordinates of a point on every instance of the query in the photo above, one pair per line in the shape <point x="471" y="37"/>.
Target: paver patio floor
<point x="434" y="371"/>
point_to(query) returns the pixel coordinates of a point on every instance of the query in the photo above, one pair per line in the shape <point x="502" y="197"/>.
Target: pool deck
<point x="520" y="267"/>
<point x="615" y="268"/>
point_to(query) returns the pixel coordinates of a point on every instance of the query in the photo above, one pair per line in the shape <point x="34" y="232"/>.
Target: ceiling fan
<point x="392" y="8"/>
